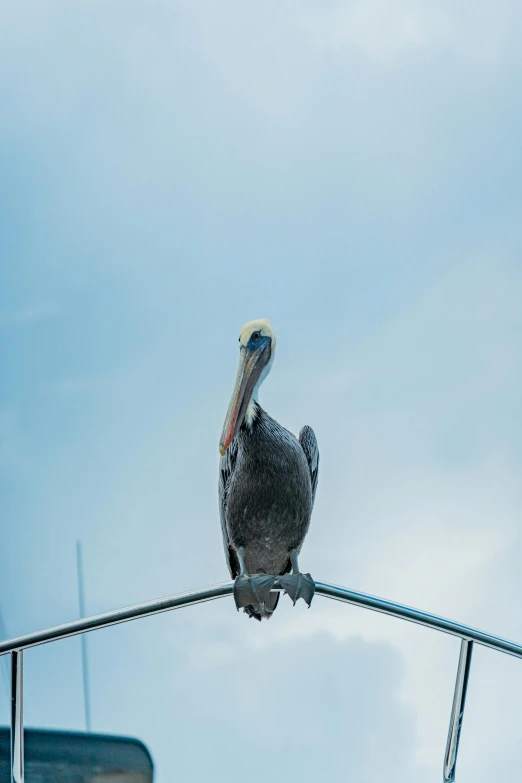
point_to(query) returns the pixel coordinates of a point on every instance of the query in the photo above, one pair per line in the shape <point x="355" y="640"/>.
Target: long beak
<point x="251" y="364"/>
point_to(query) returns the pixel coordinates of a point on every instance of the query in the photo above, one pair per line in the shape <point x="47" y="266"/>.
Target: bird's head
<point x="256" y="354"/>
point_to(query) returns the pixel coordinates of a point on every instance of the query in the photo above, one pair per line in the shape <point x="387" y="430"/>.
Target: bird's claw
<point x="298" y="586"/>
<point x="252" y="590"/>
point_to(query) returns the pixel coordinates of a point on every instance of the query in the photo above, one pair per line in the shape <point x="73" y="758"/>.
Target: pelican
<point x="267" y="485"/>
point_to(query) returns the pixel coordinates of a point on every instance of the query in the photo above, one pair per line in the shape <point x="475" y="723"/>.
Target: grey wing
<point x="227" y="464"/>
<point x="309" y="445"/>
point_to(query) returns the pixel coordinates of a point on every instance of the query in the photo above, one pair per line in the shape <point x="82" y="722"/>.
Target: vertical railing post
<point x="457" y="711"/>
<point x="83" y="638"/>
<point x="17" y="718"/>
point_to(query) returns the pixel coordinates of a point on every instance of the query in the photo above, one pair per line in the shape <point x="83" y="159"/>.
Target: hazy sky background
<point x="353" y="172"/>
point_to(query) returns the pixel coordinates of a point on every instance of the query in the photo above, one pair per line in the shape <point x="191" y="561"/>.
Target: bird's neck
<point x="252" y="412"/>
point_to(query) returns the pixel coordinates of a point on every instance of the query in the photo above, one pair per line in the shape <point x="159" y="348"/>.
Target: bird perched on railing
<point x="267" y="484"/>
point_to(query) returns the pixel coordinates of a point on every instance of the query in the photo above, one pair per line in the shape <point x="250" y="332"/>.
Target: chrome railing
<point x="469" y="636"/>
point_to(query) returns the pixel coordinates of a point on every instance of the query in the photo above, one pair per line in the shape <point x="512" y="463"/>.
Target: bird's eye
<point x="255" y="335"/>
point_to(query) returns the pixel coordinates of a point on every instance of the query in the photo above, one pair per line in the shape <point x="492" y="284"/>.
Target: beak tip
<point x="222" y="450"/>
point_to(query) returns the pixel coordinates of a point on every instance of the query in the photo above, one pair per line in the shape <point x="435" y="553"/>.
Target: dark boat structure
<point x="78" y="757"/>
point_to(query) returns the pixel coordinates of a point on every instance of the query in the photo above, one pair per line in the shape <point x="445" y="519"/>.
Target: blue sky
<point x="351" y="171"/>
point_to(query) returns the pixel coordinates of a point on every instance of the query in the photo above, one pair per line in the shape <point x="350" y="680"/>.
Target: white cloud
<point x="383" y="30"/>
<point x="436" y="549"/>
<point x="376" y="29"/>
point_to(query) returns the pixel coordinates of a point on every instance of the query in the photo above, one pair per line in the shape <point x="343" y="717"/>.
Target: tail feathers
<point x="265" y="611"/>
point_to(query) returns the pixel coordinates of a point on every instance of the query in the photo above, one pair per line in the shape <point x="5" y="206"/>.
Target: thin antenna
<point x="83" y="638"/>
<point x="4" y="663"/>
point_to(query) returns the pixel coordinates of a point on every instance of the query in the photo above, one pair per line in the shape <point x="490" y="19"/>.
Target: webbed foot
<point x="253" y="590"/>
<point x="298" y="586"/>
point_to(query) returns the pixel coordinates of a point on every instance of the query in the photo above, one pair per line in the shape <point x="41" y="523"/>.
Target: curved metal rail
<point x="468" y="635"/>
